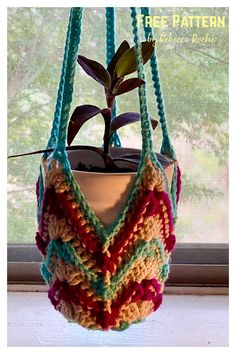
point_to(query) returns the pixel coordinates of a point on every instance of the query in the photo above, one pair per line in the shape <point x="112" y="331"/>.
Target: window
<point x="195" y="85"/>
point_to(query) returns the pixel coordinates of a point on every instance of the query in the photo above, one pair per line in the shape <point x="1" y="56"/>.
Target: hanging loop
<point x="66" y="85"/>
<point x="146" y="128"/>
<point x="110" y="51"/>
<point x="166" y="147"/>
<point x="70" y="57"/>
<point x="57" y="115"/>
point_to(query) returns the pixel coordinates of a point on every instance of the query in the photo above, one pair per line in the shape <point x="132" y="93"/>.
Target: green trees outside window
<point x="195" y="86"/>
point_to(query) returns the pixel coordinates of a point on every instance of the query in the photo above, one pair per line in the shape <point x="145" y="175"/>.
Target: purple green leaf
<point x="127" y="118"/>
<point x="127" y="62"/>
<point x="80" y="115"/>
<point x="128" y="85"/>
<point x="120" y="51"/>
<point x="95" y="70"/>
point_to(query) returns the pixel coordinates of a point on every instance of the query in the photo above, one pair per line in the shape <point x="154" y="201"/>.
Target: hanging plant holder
<point x="106" y="258"/>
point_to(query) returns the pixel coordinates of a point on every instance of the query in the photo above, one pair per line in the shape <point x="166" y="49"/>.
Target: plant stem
<point x="110" y="100"/>
<point x="107" y="115"/>
<point x="107" y="119"/>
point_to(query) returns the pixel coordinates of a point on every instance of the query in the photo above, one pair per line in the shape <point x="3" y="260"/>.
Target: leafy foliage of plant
<point x="195" y="85"/>
<point x="123" y="63"/>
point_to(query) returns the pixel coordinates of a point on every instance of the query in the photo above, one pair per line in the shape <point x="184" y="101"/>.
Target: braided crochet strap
<point x="74" y="31"/>
<point x="55" y="126"/>
<point x="147" y="147"/>
<point x="145" y="122"/>
<point x="110" y="51"/>
<point x="166" y="147"/>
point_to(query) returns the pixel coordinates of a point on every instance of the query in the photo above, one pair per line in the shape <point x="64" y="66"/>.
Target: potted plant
<point x="105" y="256"/>
<point x="97" y="168"/>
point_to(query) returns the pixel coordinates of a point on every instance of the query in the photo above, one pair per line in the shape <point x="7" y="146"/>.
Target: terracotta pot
<point x="106" y="193"/>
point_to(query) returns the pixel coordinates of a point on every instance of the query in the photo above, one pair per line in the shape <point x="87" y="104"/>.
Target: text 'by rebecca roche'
<point x="182" y="21"/>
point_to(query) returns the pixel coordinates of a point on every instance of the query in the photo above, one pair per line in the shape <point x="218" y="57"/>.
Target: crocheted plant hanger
<point x="106" y="277"/>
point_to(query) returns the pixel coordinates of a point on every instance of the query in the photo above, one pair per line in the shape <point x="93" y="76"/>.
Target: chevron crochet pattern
<point x="105" y="281"/>
<point x="106" y="277"/>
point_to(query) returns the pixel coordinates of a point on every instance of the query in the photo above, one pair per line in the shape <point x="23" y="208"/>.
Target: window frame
<point x="192" y="264"/>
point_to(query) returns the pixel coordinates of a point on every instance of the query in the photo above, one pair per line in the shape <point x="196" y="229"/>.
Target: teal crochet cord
<point x="66" y="88"/>
<point x="110" y="51"/>
<point x="103" y="275"/>
<point x="71" y="55"/>
<point x="57" y="115"/>
<point x="60" y="153"/>
<point x="145" y="122"/>
<point x="75" y="24"/>
<point x="52" y="142"/>
<point x="166" y="147"/>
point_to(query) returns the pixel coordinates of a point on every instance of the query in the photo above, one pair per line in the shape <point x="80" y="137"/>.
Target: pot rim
<point x="105" y="173"/>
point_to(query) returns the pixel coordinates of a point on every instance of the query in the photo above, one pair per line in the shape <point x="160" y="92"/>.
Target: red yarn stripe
<point x="37" y="189"/>
<point x="151" y="202"/>
<point x="71" y="294"/>
<point x="147" y="290"/>
<point x="59" y="205"/>
<point x="88" y="240"/>
<point x="48" y="205"/>
<point x="168" y="239"/>
<point x="125" y="234"/>
<point x="179" y="183"/>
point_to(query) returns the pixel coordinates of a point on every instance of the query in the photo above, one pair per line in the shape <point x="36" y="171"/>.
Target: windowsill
<point x="191" y="265"/>
<point x="169" y="290"/>
<point x="188" y="320"/>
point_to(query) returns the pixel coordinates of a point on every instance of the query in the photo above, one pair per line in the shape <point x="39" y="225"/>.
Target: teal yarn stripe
<point x="66" y="252"/>
<point x="110" y="51"/>
<point x="174" y="194"/>
<point x="69" y="79"/>
<point x="166" y="147"/>
<point x="105" y="233"/>
<point x="142" y="251"/>
<point x="123" y="325"/>
<point x="47" y="276"/>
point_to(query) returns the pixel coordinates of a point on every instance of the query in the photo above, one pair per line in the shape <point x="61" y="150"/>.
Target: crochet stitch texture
<point x="105" y="283"/>
<point x="106" y="278"/>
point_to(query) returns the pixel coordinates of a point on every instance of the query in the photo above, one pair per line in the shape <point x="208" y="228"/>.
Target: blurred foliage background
<point x="195" y="85"/>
